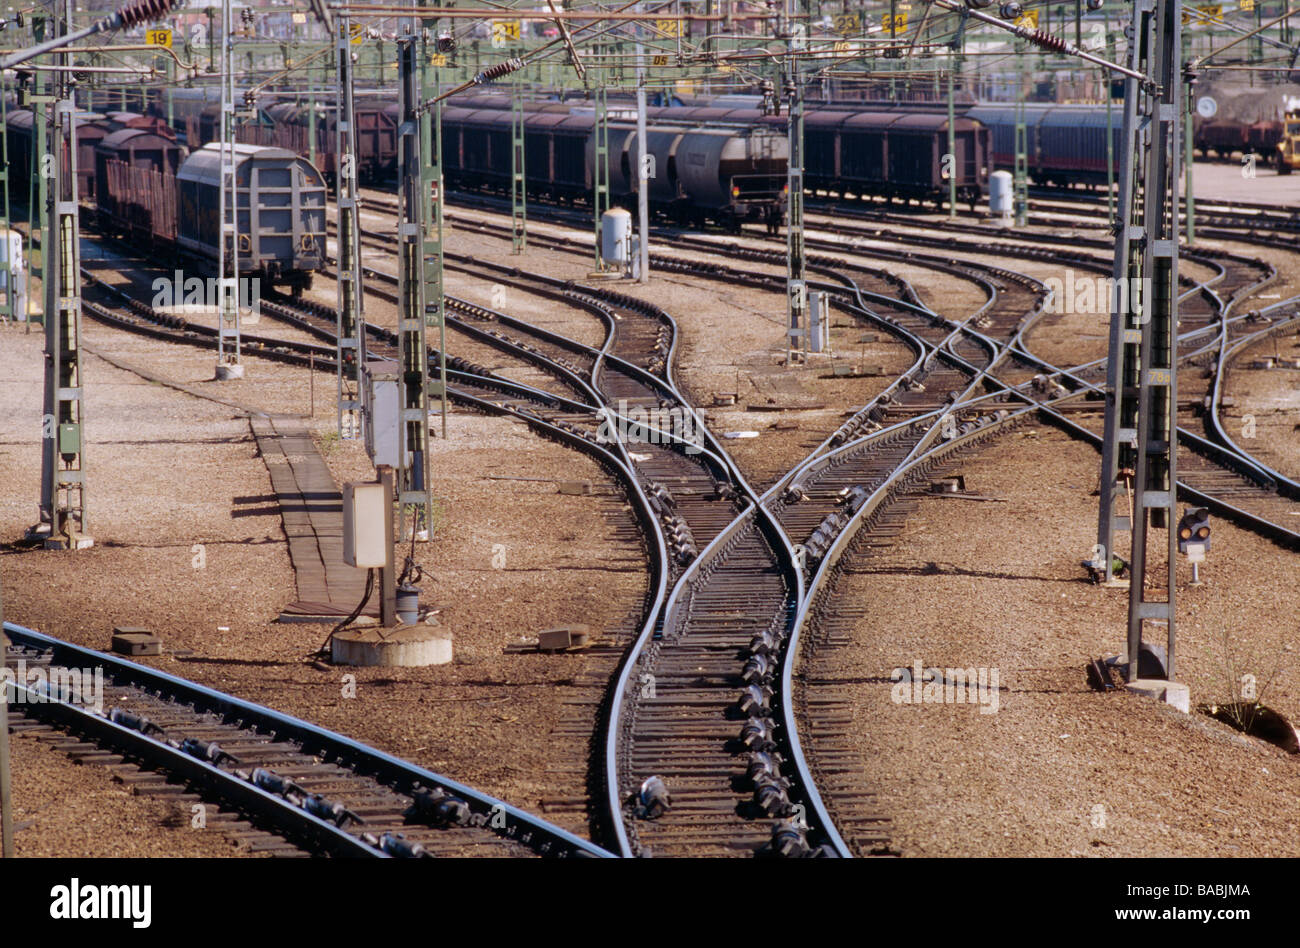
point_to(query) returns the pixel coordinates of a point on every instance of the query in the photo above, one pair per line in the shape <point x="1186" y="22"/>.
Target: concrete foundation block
<point x="1170" y="692"/>
<point x="406" y="646"/>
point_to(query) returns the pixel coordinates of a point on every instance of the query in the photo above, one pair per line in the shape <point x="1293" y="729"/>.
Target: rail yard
<point x="847" y="431"/>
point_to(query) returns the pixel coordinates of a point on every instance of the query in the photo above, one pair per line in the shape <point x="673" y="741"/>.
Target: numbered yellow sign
<point x="659" y="61"/>
<point x="1204" y="14"/>
<point x="846" y="24"/>
<point x="1028" y="20"/>
<point x="669" y="27"/>
<point x="1246" y="5"/>
<point x="300" y="19"/>
<point x="438" y="59"/>
<point x="898" y="22"/>
<point x="505" y="31"/>
<point x="159" y="38"/>
<point x="841" y="46"/>
<point x="358" y="34"/>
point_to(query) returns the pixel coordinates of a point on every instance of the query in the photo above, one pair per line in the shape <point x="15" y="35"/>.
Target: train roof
<point x="898" y="121"/>
<point x="1048" y="115"/>
<point x="139" y="137"/>
<point x="204" y="165"/>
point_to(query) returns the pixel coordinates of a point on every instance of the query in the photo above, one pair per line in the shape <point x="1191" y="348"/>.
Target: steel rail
<point x="387" y="769"/>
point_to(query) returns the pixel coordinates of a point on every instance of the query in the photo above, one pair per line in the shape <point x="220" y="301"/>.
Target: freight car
<point x="91" y="129"/>
<point x="131" y="211"/>
<point x="723" y="173"/>
<point x="1222" y="138"/>
<point x="291" y="126"/>
<point x="895" y="154"/>
<point x="280" y="210"/>
<point x="1226" y="137"/>
<point x="1065" y="144"/>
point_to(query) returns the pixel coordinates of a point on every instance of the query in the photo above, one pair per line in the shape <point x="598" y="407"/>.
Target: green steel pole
<point x="518" y="184"/>
<point x="6" y="783"/>
<point x="37" y="191"/>
<point x="952" y="153"/>
<point x="1189" y="145"/>
<point x="1110" y="129"/>
<point x="10" y="286"/>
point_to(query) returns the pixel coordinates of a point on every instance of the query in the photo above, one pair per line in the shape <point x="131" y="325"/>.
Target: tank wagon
<point x="723" y="173"/>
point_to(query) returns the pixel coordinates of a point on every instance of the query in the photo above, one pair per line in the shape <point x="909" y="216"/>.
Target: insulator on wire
<point x="144" y="11"/>
<point x="978" y="4"/>
<point x="1047" y="41"/>
<point x="498" y="70"/>
<point x="1010" y="10"/>
<point x="1095" y="5"/>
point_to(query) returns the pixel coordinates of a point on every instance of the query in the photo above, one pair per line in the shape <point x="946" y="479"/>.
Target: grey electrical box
<point x="363" y="525"/>
<point x="819" y="321"/>
<point x="381" y="395"/>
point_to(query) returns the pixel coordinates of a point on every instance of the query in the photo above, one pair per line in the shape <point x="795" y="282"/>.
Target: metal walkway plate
<point x="311" y="508"/>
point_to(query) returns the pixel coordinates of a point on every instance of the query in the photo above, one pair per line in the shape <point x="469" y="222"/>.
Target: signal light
<point x="1194" y="531"/>
<point x="735" y="191"/>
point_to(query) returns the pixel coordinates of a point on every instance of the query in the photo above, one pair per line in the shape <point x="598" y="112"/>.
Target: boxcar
<point x="144" y="204"/>
<point x="124" y="209"/>
<point x="91" y="129"/>
<point x="280" y="211"/>
<point x="894" y="154"/>
<point x="376" y="135"/>
<point x="1065" y="144"/>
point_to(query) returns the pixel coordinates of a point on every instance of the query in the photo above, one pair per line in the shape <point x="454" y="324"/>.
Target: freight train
<point x="725" y="161"/>
<point x="1224" y="138"/>
<point x="1066" y="144"/>
<point x="143" y="185"/>
<point x="725" y="172"/>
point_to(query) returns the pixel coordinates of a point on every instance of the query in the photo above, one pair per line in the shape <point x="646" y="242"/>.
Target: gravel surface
<point x="1271" y="399"/>
<point x="66" y="809"/>
<point x="1000" y="586"/>
<point x="510" y="557"/>
<point x="169" y="472"/>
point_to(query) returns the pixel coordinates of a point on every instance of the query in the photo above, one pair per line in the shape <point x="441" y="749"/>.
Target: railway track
<point x="1268" y="226"/>
<point x="750" y="561"/>
<point x="698" y="505"/>
<point x="1259" y="500"/>
<point x="265" y="772"/>
<point x="1230" y="480"/>
<point x="576" y="423"/>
